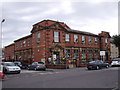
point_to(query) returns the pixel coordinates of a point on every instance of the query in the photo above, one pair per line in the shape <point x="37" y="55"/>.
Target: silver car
<point x="10" y="67"/>
<point x="115" y="62"/>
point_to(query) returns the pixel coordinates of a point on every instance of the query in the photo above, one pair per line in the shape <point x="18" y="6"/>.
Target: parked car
<point x="20" y="64"/>
<point x="98" y="64"/>
<point x="115" y="62"/>
<point x="37" y="66"/>
<point x="10" y="67"/>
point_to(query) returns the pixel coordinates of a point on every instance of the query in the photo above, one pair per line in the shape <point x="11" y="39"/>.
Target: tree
<point x="116" y="41"/>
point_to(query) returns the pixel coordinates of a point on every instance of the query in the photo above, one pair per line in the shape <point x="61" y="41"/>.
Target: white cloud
<point x="66" y="6"/>
<point x="83" y="16"/>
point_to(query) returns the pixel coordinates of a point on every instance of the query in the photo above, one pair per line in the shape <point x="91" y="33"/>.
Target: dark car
<point x="20" y="64"/>
<point x="37" y="66"/>
<point x="98" y="64"/>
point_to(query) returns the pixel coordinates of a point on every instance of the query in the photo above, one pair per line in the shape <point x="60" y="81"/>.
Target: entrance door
<point x="57" y="57"/>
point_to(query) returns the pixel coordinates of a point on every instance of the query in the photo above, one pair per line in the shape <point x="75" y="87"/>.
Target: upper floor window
<point x="90" y="39"/>
<point x="56" y="36"/>
<point x="20" y="44"/>
<point x="67" y="37"/>
<point x="106" y="40"/>
<point x="75" y="38"/>
<point x="38" y="37"/>
<point x="28" y="42"/>
<point x="24" y="43"/>
<point x="16" y="45"/>
<point x="96" y="40"/>
<point x="83" y="39"/>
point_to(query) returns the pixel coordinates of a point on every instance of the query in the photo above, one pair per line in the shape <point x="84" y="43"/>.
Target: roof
<point x="81" y="32"/>
<point x="9" y="45"/>
<point x="23" y="38"/>
<point x="67" y="28"/>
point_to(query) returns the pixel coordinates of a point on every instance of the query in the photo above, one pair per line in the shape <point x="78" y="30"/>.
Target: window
<point x="76" y="54"/>
<point x="89" y="40"/>
<point x="83" y="54"/>
<point x="67" y="37"/>
<point x="90" y="55"/>
<point x="96" y="51"/>
<point x="28" y="42"/>
<point x="68" y="53"/>
<point x="20" y="44"/>
<point x="96" y="54"/>
<point x="16" y="45"/>
<point x="96" y="40"/>
<point x="56" y="36"/>
<point x="38" y="37"/>
<point x="75" y="38"/>
<point x="106" y="40"/>
<point x="83" y="39"/>
<point x="24" y="43"/>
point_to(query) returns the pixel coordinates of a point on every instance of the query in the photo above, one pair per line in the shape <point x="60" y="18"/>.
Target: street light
<point x="1" y="30"/>
<point x="1" y="37"/>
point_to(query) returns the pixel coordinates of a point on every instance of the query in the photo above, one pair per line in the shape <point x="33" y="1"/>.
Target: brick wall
<point x="46" y="47"/>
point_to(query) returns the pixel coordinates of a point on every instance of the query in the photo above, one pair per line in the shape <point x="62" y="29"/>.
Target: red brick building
<point x="56" y="44"/>
<point x="9" y="52"/>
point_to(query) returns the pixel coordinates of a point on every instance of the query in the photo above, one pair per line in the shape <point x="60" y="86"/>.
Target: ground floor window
<point x="76" y="53"/>
<point x="83" y="61"/>
<point x="90" y="55"/>
<point x="67" y="52"/>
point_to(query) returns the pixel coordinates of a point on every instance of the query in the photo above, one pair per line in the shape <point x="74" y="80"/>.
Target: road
<point x="67" y="78"/>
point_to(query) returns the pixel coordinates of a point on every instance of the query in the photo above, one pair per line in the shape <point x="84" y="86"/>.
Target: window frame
<point x="90" y="40"/>
<point x="38" y="36"/>
<point x="83" y="39"/>
<point x="56" y="36"/>
<point x="76" y="53"/>
<point x="75" y="38"/>
<point x="96" y="40"/>
<point x="67" y="37"/>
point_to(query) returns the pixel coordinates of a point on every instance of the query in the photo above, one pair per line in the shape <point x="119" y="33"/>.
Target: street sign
<point x="102" y="53"/>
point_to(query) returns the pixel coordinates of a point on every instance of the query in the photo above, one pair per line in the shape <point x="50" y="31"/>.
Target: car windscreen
<point x="18" y="63"/>
<point x="9" y="64"/>
<point x="92" y="62"/>
<point x="95" y="62"/>
<point x="40" y="63"/>
<point x="115" y="60"/>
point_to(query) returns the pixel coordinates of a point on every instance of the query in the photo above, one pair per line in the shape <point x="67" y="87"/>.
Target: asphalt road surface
<point x="67" y="78"/>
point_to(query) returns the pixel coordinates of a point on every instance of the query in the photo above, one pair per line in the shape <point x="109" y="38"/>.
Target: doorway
<point x="57" y="57"/>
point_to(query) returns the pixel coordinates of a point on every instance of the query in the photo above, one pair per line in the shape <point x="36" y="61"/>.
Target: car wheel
<point x="35" y="69"/>
<point x="97" y="67"/>
<point x="88" y="68"/>
<point x="28" y="68"/>
<point x="5" y="71"/>
<point x="107" y="66"/>
<point x="18" y="72"/>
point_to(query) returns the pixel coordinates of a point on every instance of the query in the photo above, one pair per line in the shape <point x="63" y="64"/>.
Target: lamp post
<point x="1" y="32"/>
<point x="1" y="38"/>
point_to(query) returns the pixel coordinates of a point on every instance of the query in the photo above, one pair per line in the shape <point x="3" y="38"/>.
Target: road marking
<point x="27" y="71"/>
